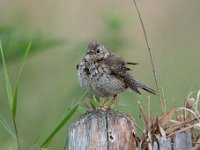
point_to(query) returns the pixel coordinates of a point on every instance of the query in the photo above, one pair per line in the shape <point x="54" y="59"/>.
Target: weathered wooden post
<point x="102" y="130"/>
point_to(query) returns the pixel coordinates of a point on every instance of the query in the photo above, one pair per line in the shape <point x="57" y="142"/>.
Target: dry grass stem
<point x="187" y="119"/>
<point x="150" y="55"/>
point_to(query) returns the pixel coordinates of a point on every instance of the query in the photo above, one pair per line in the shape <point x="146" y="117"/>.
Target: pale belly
<point x="107" y="86"/>
<point x="100" y="81"/>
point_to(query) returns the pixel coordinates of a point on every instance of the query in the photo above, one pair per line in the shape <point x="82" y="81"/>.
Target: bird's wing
<point x="119" y="69"/>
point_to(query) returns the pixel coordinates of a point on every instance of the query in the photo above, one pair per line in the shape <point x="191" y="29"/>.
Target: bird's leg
<point x="111" y="103"/>
<point x="102" y="103"/>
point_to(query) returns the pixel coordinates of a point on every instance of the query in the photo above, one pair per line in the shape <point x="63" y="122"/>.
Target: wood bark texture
<point x="182" y="141"/>
<point x="102" y="130"/>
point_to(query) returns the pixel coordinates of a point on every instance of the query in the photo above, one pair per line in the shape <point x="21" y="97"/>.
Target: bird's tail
<point x="149" y="90"/>
<point x="140" y="85"/>
<point x="135" y="85"/>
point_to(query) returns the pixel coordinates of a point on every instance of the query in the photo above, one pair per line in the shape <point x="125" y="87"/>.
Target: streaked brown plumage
<point x="106" y="74"/>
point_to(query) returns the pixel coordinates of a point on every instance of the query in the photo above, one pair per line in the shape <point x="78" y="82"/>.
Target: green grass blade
<point x="60" y="124"/>
<point x="14" y="103"/>
<point x="6" y="77"/>
<point x="7" y="127"/>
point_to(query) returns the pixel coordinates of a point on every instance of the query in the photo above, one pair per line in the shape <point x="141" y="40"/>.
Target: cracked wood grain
<point x="102" y="130"/>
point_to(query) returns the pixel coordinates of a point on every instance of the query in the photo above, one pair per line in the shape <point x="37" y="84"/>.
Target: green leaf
<point x="14" y="103"/>
<point x="95" y="104"/>
<point x="7" y="80"/>
<point x="5" y="124"/>
<point x="60" y="124"/>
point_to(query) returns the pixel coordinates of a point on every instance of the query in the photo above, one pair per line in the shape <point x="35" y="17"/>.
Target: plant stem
<point x="16" y="132"/>
<point x="150" y="55"/>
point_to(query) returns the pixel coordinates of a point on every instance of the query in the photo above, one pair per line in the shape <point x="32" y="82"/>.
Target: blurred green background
<point x="60" y="31"/>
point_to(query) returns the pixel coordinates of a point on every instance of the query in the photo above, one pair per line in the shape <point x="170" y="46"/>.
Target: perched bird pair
<point x="106" y="74"/>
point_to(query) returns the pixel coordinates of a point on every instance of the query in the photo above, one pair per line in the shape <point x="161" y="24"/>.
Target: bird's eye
<point x="98" y="50"/>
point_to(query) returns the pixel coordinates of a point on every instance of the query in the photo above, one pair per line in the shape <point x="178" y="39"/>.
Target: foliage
<point x="15" y="41"/>
<point x="12" y="98"/>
